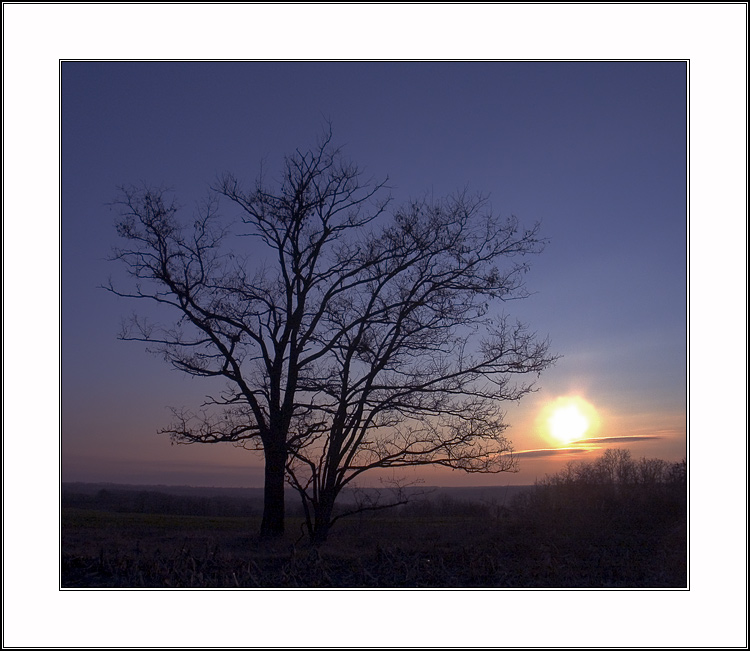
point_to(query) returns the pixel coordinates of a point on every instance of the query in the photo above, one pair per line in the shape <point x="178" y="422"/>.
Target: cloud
<point x="585" y="445"/>
<point x="549" y="452"/>
<point x="618" y="439"/>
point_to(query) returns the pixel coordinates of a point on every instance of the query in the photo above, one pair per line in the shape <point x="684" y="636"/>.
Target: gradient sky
<point x="594" y="150"/>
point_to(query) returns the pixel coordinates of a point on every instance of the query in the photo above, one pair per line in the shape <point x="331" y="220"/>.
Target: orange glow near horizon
<point x="568" y="419"/>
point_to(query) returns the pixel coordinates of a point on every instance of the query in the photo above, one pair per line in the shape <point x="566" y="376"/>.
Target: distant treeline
<point x="217" y="502"/>
<point x="614" y="486"/>
<point x="148" y="501"/>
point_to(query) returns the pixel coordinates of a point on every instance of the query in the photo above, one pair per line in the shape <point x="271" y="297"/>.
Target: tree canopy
<point x="350" y="335"/>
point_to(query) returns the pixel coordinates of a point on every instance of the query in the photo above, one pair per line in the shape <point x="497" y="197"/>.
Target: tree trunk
<point x="323" y="513"/>
<point x="273" y="493"/>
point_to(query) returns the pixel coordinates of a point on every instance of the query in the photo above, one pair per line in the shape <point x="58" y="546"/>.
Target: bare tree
<point x="249" y="318"/>
<point x="418" y="364"/>
<point x="346" y="344"/>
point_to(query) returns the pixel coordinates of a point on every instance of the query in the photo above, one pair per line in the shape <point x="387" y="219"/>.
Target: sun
<point x="567" y="423"/>
<point x="568" y="419"/>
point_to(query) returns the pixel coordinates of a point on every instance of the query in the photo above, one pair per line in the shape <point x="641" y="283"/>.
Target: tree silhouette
<point x="418" y="365"/>
<point x="348" y="341"/>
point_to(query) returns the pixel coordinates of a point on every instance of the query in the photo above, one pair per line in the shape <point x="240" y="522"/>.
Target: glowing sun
<point x="568" y="423"/>
<point x="569" y="419"/>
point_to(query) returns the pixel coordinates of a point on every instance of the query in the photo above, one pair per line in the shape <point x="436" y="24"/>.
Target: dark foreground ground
<point x="540" y="540"/>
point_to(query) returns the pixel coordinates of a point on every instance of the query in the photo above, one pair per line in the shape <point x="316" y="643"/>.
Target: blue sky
<point x="596" y="151"/>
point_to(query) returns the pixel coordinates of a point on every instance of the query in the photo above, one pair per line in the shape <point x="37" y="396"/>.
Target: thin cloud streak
<point x="584" y="445"/>
<point x="618" y="439"/>
<point x="550" y="452"/>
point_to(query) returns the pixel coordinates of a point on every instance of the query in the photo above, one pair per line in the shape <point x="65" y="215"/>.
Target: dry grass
<point x="525" y="548"/>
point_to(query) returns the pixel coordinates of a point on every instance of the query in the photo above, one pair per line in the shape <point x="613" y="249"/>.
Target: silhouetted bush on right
<point x="614" y="490"/>
<point x="611" y="522"/>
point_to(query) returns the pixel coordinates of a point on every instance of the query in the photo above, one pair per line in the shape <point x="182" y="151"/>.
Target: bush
<point x="614" y="489"/>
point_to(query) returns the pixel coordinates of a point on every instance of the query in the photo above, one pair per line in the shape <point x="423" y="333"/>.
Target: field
<point x="543" y="538"/>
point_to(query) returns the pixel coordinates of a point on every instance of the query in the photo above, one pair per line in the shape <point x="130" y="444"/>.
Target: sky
<point x="595" y="151"/>
<point x="610" y="287"/>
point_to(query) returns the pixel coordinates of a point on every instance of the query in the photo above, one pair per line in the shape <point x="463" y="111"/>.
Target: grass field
<point x="535" y="543"/>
